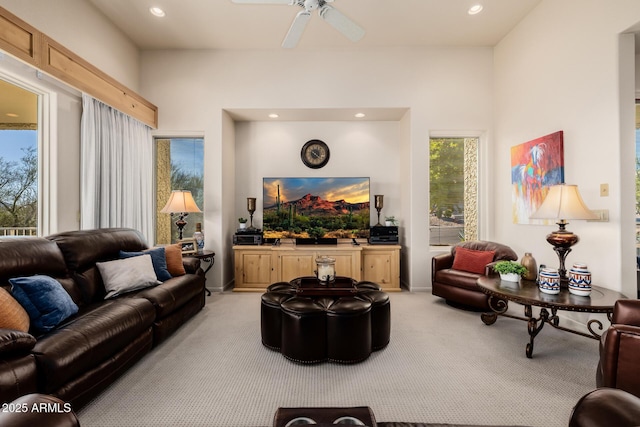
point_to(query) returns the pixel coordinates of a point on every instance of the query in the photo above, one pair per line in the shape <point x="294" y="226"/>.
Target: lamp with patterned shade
<point x="180" y="203"/>
<point x="563" y="202"/>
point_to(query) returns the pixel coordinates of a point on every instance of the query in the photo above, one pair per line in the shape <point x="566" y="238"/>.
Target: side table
<point x="207" y="256"/>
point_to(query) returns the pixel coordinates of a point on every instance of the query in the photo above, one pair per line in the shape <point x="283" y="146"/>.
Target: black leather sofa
<point x="88" y="351"/>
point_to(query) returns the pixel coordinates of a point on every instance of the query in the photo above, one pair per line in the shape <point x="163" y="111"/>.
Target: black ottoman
<point x="304" y="330"/>
<point x="380" y="316"/>
<point x="349" y="330"/>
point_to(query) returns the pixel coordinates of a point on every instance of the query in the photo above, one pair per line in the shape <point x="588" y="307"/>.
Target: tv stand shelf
<point x="256" y="267"/>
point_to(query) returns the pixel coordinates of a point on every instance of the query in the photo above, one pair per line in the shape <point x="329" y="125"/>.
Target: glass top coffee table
<point x="526" y="292"/>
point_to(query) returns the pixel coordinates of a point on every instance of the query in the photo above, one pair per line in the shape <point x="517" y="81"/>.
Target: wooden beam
<point x="28" y="44"/>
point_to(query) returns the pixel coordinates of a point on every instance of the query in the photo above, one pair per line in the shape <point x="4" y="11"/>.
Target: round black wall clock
<point x="315" y="154"/>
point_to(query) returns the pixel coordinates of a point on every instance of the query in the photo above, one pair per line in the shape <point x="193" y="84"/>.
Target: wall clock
<point x="315" y="154"/>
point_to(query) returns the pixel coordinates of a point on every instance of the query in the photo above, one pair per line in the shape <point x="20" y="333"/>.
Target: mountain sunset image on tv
<point x="315" y="207"/>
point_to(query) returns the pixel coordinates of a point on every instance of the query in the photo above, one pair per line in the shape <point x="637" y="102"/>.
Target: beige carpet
<point x="442" y="365"/>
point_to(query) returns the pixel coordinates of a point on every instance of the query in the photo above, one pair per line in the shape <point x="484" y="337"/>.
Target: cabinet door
<point x="381" y="265"/>
<point x="376" y="267"/>
<point x="255" y="269"/>
<point x="295" y="265"/>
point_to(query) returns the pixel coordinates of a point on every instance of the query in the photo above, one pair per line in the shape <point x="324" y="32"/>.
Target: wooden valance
<point x="30" y="45"/>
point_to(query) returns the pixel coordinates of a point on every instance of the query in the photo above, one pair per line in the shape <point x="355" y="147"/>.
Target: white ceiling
<point x="221" y="24"/>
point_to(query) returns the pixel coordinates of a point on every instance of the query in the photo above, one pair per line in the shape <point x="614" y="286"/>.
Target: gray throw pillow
<point x="126" y="275"/>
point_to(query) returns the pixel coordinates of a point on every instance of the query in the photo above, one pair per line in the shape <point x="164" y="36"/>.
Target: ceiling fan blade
<point x="290" y="2"/>
<point x="296" y="29"/>
<point x="340" y="22"/>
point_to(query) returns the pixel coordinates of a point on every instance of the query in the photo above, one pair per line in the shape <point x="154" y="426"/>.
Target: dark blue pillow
<point x="158" y="259"/>
<point x="44" y="299"/>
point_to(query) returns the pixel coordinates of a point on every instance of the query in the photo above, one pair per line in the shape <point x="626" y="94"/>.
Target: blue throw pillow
<point x="44" y="299"/>
<point x="158" y="259"/>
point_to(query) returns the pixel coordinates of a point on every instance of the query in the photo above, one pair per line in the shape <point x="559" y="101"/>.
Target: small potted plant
<point x="242" y="222"/>
<point x="390" y="220"/>
<point x="510" y="271"/>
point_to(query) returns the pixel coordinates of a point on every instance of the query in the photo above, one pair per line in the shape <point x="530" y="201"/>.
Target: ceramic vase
<point x="580" y="280"/>
<point x="199" y="236"/>
<point x="529" y="262"/>
<point x="549" y="281"/>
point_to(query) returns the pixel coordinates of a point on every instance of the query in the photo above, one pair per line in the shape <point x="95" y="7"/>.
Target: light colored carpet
<point x="442" y="365"/>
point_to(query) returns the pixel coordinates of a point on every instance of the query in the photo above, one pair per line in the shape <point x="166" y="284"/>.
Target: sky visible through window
<point x="12" y="143"/>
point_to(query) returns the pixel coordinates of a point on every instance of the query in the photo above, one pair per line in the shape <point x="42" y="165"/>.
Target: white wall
<point x="444" y="89"/>
<point x="79" y="27"/>
<point x="560" y="69"/>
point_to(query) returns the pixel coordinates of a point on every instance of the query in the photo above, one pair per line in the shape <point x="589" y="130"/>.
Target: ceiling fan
<point x="333" y="16"/>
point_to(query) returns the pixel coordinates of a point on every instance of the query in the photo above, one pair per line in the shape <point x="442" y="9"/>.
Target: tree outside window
<point x="179" y="166"/>
<point x="19" y="208"/>
<point x="453" y="183"/>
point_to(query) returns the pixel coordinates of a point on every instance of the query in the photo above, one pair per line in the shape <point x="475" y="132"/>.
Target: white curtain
<point x="117" y="170"/>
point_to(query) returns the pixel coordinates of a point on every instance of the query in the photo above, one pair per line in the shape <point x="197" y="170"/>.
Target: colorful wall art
<point x="535" y="166"/>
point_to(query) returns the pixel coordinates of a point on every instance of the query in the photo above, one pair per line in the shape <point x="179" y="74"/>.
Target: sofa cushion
<point x="12" y="315"/>
<point x="173" y="294"/>
<point x="44" y="299"/>
<point x="158" y="259"/>
<point x="125" y="275"/>
<point x="458" y="279"/>
<point x="472" y="260"/>
<point x="83" y="248"/>
<point x="174" y="260"/>
<point x="85" y="341"/>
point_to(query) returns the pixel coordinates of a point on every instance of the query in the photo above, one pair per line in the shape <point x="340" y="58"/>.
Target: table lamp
<point x="251" y="207"/>
<point x="379" y="203"/>
<point x="563" y="202"/>
<point x="180" y="203"/>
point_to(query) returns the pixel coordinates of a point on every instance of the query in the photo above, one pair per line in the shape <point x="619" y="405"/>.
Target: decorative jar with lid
<point x="326" y="269"/>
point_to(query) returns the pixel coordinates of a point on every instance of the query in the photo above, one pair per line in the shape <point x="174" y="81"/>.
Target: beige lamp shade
<point x="563" y="202"/>
<point x="180" y="201"/>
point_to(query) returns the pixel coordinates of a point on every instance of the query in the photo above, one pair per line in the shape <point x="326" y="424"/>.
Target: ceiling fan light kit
<point x="331" y="15"/>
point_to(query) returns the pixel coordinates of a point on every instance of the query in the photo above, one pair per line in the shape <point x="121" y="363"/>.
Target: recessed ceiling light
<point x="156" y="11"/>
<point x="12" y="115"/>
<point x="360" y="115"/>
<point x="475" y="9"/>
<point x="273" y="116"/>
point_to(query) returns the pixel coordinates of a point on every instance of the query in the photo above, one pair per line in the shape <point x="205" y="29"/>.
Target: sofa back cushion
<point x="83" y="248"/>
<point x="27" y="256"/>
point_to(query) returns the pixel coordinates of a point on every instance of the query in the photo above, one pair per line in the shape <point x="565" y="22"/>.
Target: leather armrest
<point x="626" y="312"/>
<point x="191" y="264"/>
<point x="606" y="407"/>
<point x="488" y="270"/>
<point x="618" y="359"/>
<point x="57" y="413"/>
<point x="15" y="342"/>
<point x="440" y="262"/>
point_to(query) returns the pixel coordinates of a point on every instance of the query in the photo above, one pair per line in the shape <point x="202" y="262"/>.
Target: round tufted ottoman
<point x="344" y="328"/>
<point x="271" y="313"/>
<point x="304" y="330"/>
<point x="380" y="313"/>
<point x="348" y="330"/>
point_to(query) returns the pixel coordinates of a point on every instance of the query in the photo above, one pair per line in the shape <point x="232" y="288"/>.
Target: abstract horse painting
<point x="535" y="166"/>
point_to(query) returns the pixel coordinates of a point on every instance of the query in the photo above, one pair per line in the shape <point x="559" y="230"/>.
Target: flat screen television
<point x="315" y="207"/>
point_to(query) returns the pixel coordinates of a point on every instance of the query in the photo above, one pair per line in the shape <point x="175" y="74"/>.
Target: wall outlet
<point x="604" y="190"/>
<point x="603" y="215"/>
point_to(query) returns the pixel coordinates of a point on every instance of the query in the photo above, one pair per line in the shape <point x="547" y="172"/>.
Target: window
<point x="453" y="190"/>
<point x="19" y="166"/>
<point x="179" y="166"/>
